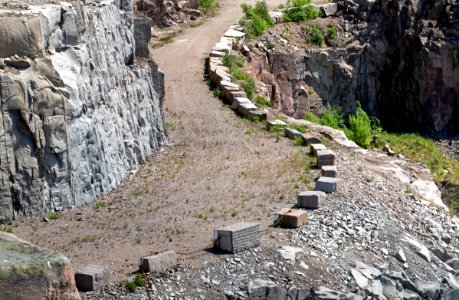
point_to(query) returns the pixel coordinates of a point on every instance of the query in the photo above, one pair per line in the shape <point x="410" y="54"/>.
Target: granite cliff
<point x="80" y="104"/>
<point x="398" y="58"/>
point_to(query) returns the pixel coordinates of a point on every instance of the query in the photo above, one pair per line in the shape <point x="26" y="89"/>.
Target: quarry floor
<point x="213" y="173"/>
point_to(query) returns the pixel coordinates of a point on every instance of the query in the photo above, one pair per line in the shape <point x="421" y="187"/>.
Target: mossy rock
<point x="31" y="272"/>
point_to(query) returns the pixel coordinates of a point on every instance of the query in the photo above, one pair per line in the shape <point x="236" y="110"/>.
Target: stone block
<point x="21" y="35"/>
<point x="292" y="133"/>
<point x="291" y="218"/>
<point x="245" y="108"/>
<point x="92" y="278"/>
<point x="159" y="262"/>
<point x="329" y="9"/>
<point x="237" y="237"/>
<point x="325" y="158"/>
<point x="311" y="199"/>
<point x="275" y="123"/>
<point x="316" y="147"/>
<point x="238" y="101"/>
<point x="326" y="184"/>
<point x="328" y="171"/>
<point x="257" y="114"/>
<point x="310" y="138"/>
<point x="216" y="53"/>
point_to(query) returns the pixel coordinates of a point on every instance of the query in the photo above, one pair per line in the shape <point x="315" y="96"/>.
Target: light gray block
<point x="272" y="123"/>
<point x="311" y="199"/>
<point x="238" y="101"/>
<point x="329" y="171"/>
<point x="292" y="133"/>
<point x="159" y="262"/>
<point x="261" y="115"/>
<point x="92" y="278"/>
<point x="245" y="108"/>
<point x="237" y="237"/>
<point x="326" y="184"/>
<point x="325" y="158"/>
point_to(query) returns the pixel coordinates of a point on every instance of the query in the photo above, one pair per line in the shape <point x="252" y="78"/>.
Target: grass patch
<point x="256" y="19"/>
<point x="300" y="127"/>
<point x="139" y="192"/>
<point x="235" y="63"/>
<point x="54" y="216"/>
<point x="263" y="101"/>
<point x="208" y="7"/>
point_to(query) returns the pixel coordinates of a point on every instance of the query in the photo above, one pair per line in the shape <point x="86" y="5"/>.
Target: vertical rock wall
<point x="78" y="112"/>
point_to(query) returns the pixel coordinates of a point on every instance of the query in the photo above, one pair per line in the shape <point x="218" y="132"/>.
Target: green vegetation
<point x="139" y="192"/>
<point x="256" y="19"/>
<point x="360" y="129"/>
<point x="300" y="10"/>
<point x="263" y="101"/>
<point x="332" y="33"/>
<point x="208" y="7"/>
<point x="54" y="216"/>
<point x="201" y="216"/>
<point x="301" y="128"/>
<point x="317" y="34"/>
<point x="131" y="286"/>
<point x="311" y="117"/>
<point x="235" y="63"/>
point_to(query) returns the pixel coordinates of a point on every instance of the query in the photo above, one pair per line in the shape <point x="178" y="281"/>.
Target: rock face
<point x="31" y="272"/>
<point x="399" y="59"/>
<point x="168" y="13"/>
<point x="79" y="112"/>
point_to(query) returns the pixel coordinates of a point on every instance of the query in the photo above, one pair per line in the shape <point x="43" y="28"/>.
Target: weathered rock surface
<point x="83" y="115"/>
<point x="168" y="13"/>
<point x="398" y="58"/>
<point x="31" y="272"/>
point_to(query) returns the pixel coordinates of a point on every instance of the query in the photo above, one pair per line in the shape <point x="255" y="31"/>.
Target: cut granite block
<point x="291" y="218"/>
<point x="275" y="123"/>
<point x="92" y="278"/>
<point x="316" y="147"/>
<point x="237" y="237"/>
<point x="311" y="199"/>
<point x="325" y="158"/>
<point x="310" y="138"/>
<point x="326" y="184"/>
<point x="329" y="171"/>
<point x="238" y="101"/>
<point x="292" y="133"/>
<point x="159" y="262"/>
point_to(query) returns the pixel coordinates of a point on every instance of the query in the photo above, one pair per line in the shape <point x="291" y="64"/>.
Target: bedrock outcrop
<point x="166" y="13"/>
<point x="78" y="110"/>
<point x="398" y="58"/>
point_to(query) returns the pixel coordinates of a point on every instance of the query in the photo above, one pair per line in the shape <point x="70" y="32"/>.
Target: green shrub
<point x="138" y="281"/>
<point x="360" y="128"/>
<point x="130" y="286"/>
<point x="311" y="117"/>
<point x="54" y="216"/>
<point x="332" y="117"/>
<point x="256" y="19"/>
<point x="300" y="10"/>
<point x="208" y="7"/>
<point x="263" y="101"/>
<point x="314" y="32"/>
<point x="249" y="87"/>
<point x="332" y="33"/>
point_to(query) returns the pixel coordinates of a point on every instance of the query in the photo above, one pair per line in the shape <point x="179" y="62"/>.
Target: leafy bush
<point x="332" y="117"/>
<point x="208" y="7"/>
<point x="263" y="101"/>
<point x="315" y="34"/>
<point x="256" y="19"/>
<point x="332" y="33"/>
<point x="360" y="128"/>
<point x="300" y="10"/>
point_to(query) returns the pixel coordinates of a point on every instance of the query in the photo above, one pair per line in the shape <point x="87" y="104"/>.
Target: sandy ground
<point x="218" y="169"/>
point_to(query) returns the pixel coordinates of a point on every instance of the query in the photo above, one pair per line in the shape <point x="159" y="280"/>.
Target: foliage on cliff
<point x="256" y="19"/>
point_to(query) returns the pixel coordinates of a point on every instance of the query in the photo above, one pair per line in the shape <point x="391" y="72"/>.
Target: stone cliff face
<point x="168" y="13"/>
<point x="399" y="58"/>
<point x="78" y="110"/>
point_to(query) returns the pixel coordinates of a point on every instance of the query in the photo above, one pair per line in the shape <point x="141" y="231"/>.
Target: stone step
<point x="311" y="199"/>
<point x="316" y="147"/>
<point x="328" y="171"/>
<point x="291" y="218"/>
<point x="273" y="123"/>
<point x="310" y="138"/>
<point x="158" y="263"/>
<point x="237" y="237"/>
<point x="92" y="277"/>
<point x="326" y="184"/>
<point x="325" y="158"/>
<point x="292" y="133"/>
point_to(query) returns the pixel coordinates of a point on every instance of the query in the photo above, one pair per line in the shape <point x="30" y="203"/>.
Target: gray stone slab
<point x="311" y="199"/>
<point x="238" y="101"/>
<point x="92" y="278"/>
<point x="326" y="184"/>
<point x="325" y="157"/>
<point x="292" y="133"/>
<point x="245" y="108"/>
<point x="329" y="171"/>
<point x="159" y="262"/>
<point x="316" y="147"/>
<point x="310" y="138"/>
<point x="237" y="237"/>
<point x="273" y="123"/>
<point x="260" y="115"/>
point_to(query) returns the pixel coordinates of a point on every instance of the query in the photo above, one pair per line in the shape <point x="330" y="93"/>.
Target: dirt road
<point x="218" y="169"/>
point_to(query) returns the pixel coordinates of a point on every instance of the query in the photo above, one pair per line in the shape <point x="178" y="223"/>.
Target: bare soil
<point x="215" y="172"/>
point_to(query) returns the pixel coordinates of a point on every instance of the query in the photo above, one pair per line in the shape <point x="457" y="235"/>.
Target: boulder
<point x="92" y="277"/>
<point x="31" y="272"/>
<point x="259" y="289"/>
